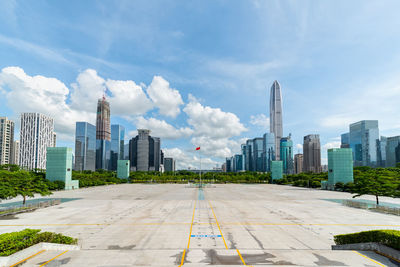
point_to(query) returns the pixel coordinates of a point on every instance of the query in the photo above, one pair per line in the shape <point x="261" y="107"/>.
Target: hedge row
<point x="16" y="241"/>
<point x="390" y="238"/>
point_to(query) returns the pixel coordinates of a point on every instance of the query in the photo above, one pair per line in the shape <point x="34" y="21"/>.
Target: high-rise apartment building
<point x="392" y="151"/>
<point x="15" y="153"/>
<point x="286" y="147"/>
<point x="85" y="146"/>
<point x="363" y="141"/>
<point x="6" y="140"/>
<point x="312" y="153"/>
<point x="298" y="163"/>
<point x="103" y="135"/>
<point x="145" y="152"/>
<point x="117" y="145"/>
<point x="268" y="151"/>
<point x="340" y="166"/>
<point x="275" y="115"/>
<point x="36" y="136"/>
<point x="169" y="164"/>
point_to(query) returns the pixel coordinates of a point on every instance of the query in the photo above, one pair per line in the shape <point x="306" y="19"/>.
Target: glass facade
<point x="249" y="155"/>
<point x="287" y="155"/>
<point x="381" y="153"/>
<point x="117" y="145"/>
<point x="392" y="151"/>
<point x="85" y="146"/>
<point x="258" y="146"/>
<point x="103" y="148"/>
<point x="345" y="140"/>
<point x="268" y="151"/>
<point x="59" y="166"/>
<point x="363" y="141"/>
<point x="123" y="167"/>
<point x="238" y="163"/>
<point x="340" y="166"/>
<point x="276" y="170"/>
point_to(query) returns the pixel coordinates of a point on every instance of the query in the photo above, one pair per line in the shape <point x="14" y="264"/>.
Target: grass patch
<point x="390" y="238"/>
<point x="16" y="241"/>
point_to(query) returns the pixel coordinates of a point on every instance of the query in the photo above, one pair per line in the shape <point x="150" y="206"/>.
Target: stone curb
<point x="371" y="246"/>
<point x="32" y="250"/>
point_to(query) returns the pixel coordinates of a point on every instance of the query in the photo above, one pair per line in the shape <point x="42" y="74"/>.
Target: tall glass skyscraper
<point x="145" y="152"/>
<point x="392" y="151"/>
<point x="287" y="155"/>
<point x="117" y="145"/>
<point x="85" y="146"/>
<point x="312" y="154"/>
<point x="268" y="151"/>
<point x="275" y="115"/>
<point x="381" y="153"/>
<point x="103" y="135"/>
<point x="258" y="163"/>
<point x="363" y="140"/>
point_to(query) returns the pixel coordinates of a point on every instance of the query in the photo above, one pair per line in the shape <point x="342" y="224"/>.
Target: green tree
<point x="26" y="185"/>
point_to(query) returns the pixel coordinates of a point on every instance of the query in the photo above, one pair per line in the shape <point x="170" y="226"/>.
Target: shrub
<point x="16" y="241"/>
<point x="390" y="238"/>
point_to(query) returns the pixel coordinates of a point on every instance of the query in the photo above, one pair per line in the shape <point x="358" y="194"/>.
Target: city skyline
<point x="325" y="87"/>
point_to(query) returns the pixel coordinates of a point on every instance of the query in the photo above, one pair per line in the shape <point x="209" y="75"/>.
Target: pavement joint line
<point x="374" y="261"/>
<point x="209" y="202"/>
<point x="21" y="261"/>
<point x="53" y="258"/>
<point x="190" y="234"/>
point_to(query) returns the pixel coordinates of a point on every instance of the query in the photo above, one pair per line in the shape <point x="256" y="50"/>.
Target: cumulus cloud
<point x="161" y="128"/>
<point x="167" y="99"/>
<point x="260" y="120"/>
<point x="333" y="144"/>
<point x="26" y="93"/>
<point x="187" y="160"/>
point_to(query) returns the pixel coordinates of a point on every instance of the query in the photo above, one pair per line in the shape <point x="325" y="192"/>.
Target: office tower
<point x="59" y="166"/>
<point x="287" y="155"/>
<point x="363" y="136"/>
<point x="6" y="140"/>
<point x="276" y="169"/>
<point x="169" y="164"/>
<point x="311" y="153"/>
<point x="249" y="155"/>
<point x="392" y="151"/>
<point x="381" y="151"/>
<point x="103" y="135"/>
<point x="223" y="167"/>
<point x="345" y="140"/>
<point x="268" y="151"/>
<point x="298" y="163"/>
<point x="126" y="151"/>
<point x="275" y="115"/>
<point x="228" y="164"/>
<point x="85" y="146"/>
<point x="117" y="145"/>
<point x="243" y="151"/>
<point x="145" y="152"/>
<point x="238" y="159"/>
<point x="340" y="166"/>
<point x="258" y="146"/>
<point x="36" y="136"/>
<point x="15" y="153"/>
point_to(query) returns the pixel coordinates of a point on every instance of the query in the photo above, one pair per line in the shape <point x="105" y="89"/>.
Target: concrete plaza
<point x="222" y="225"/>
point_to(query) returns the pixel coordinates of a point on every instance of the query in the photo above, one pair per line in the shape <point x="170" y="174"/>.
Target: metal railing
<point x="28" y="206"/>
<point x="372" y="207"/>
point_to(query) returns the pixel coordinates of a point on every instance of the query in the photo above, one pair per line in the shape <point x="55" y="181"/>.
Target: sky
<point x="198" y="73"/>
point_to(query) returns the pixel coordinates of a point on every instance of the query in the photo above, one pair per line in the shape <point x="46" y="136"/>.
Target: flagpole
<point x="200" y="169"/>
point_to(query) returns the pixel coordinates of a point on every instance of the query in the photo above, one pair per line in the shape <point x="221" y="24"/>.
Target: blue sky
<point x="198" y="73"/>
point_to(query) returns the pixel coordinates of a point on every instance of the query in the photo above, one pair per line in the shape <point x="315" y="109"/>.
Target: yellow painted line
<point x="21" y="261"/>
<point x="241" y="258"/>
<point x="53" y="258"/>
<point x="215" y="217"/>
<point x="380" y="264"/>
<point x="190" y="234"/>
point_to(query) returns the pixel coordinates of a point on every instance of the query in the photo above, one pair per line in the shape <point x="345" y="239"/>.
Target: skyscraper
<point x="381" y="153"/>
<point x="145" y="152"/>
<point x="6" y="140"/>
<point x="169" y="164"/>
<point x="85" y="146"/>
<point x="117" y="145"/>
<point x="286" y="147"/>
<point x="298" y="163"/>
<point x="268" y="151"/>
<point x="345" y="140"/>
<point x="363" y="140"/>
<point x="275" y="115"/>
<point x="35" y="137"/>
<point x="103" y="134"/>
<point x="392" y="151"/>
<point x="312" y="154"/>
<point x="15" y="153"/>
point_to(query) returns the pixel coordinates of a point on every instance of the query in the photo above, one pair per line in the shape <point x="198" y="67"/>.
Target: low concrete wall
<point x="25" y="253"/>
<point x="371" y="246"/>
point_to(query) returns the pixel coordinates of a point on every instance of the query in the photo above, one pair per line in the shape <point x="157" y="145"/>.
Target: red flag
<point x="197" y="148"/>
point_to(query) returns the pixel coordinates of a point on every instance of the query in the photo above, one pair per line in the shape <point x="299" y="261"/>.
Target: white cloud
<point x="260" y="120"/>
<point x="26" y="93"/>
<point x="164" y="97"/>
<point x="185" y="160"/>
<point x="128" y="98"/>
<point x="333" y="144"/>
<point x="161" y="128"/>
